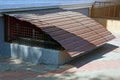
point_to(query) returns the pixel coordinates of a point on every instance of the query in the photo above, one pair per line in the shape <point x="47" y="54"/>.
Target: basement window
<point x="22" y="32"/>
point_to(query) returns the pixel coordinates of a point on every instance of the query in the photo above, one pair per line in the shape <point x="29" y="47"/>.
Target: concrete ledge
<point x="38" y="55"/>
<point x="111" y="24"/>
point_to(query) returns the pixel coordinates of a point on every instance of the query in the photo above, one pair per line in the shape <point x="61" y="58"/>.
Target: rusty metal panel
<point x="75" y="32"/>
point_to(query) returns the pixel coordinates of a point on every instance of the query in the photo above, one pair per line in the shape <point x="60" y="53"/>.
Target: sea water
<point x="5" y="4"/>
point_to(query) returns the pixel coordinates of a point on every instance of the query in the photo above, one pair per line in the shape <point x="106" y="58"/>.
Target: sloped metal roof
<point x="75" y="32"/>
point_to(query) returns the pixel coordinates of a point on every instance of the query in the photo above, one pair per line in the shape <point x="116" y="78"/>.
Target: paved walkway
<point x="100" y="64"/>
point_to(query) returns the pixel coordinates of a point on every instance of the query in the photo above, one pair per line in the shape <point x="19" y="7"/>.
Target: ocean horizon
<point x="8" y="4"/>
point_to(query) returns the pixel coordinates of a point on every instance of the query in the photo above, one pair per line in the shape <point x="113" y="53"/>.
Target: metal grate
<point x="22" y="32"/>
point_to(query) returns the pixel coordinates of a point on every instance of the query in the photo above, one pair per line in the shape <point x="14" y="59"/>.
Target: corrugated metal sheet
<point x="75" y="32"/>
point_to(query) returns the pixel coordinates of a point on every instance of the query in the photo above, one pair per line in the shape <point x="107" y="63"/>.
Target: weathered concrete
<point x="38" y="55"/>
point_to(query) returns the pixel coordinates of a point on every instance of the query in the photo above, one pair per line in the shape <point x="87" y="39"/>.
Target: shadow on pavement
<point x="93" y="55"/>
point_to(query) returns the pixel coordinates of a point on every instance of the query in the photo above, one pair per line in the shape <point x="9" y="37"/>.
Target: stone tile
<point x="17" y="74"/>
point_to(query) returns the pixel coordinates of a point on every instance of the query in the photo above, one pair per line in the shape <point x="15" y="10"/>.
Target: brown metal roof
<point x="75" y="32"/>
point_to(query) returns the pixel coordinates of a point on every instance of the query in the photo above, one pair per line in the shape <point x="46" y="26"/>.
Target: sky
<point x="44" y="1"/>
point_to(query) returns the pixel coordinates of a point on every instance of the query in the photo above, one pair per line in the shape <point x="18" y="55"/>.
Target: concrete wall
<point x="38" y="55"/>
<point x="5" y="50"/>
<point x="110" y="24"/>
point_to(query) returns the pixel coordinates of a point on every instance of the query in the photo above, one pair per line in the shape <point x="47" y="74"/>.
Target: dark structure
<point x="69" y="31"/>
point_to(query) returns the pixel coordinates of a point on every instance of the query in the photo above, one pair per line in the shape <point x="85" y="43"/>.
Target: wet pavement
<point x="100" y="64"/>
